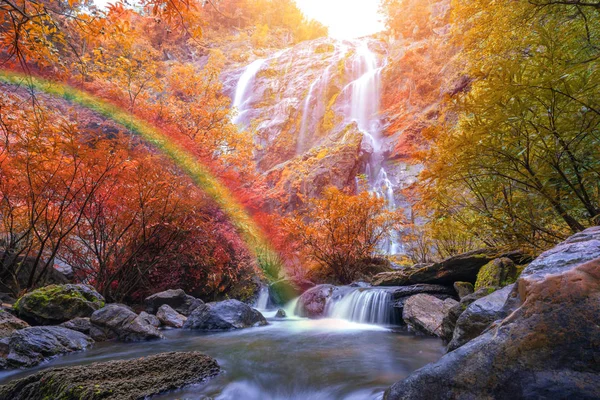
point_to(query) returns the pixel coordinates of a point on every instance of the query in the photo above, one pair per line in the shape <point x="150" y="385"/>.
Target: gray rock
<point x="177" y="299"/>
<point x="405" y="291"/>
<point x="449" y="322"/>
<point x="280" y="313"/>
<point x="9" y="323"/>
<point x="169" y="317"/>
<point x="150" y="319"/>
<point x="116" y="321"/>
<point x="479" y="316"/>
<point x="463" y="267"/>
<point x="82" y="325"/>
<point x="115" y="380"/>
<point x="55" y="304"/>
<point x="425" y="313"/>
<point x="312" y="303"/>
<point x="546" y="348"/>
<point x="224" y="315"/>
<point x="30" y="346"/>
<point x="463" y="289"/>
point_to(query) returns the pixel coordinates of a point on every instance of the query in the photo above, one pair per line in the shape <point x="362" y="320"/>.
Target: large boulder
<point x="425" y="313"/>
<point x="117" y="321"/>
<point x="546" y="348"/>
<point x="9" y="323"/>
<point x="115" y="380"/>
<point x="52" y="276"/>
<point x="403" y="293"/>
<point x="498" y="272"/>
<point x="55" y="304"/>
<point x="313" y="302"/>
<point x="224" y="315"/>
<point x="169" y="317"/>
<point x="177" y="299"/>
<point x="479" y="316"/>
<point x="30" y="346"/>
<point x="463" y="267"/>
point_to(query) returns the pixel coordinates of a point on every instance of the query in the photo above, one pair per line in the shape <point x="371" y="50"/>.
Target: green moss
<point x="40" y="298"/>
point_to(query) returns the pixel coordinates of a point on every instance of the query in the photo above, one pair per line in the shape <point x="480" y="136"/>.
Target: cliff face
<point x="327" y="111"/>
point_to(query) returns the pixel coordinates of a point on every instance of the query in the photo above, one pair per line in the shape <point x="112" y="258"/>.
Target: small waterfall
<point x="243" y="92"/>
<point x="368" y="306"/>
<point x="262" y="301"/>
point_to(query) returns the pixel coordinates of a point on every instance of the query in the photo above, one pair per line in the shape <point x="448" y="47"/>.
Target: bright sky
<point x="346" y="19"/>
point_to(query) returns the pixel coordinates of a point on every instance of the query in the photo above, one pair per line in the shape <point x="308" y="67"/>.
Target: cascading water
<point x="365" y="98"/>
<point x="243" y="90"/>
<point x="367" y="306"/>
<point x="313" y="107"/>
<point x="262" y="301"/>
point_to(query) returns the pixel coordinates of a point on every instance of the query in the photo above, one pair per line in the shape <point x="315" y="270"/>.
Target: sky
<point x="346" y="19"/>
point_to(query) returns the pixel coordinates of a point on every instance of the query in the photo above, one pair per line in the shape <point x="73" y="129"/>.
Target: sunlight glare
<point x="346" y="19"/>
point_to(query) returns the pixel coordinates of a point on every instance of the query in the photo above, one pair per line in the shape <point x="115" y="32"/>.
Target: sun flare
<point x="346" y="19"/>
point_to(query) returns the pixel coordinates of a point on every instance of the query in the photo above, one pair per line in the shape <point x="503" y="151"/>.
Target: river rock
<point x="169" y="317"/>
<point x="479" y="316"/>
<point x="463" y="267"/>
<point x="150" y="319"/>
<point x="116" y="321"/>
<point x="425" y="313"/>
<point x="312" y="303"/>
<point x="546" y="348"/>
<point x="30" y="346"/>
<point x="224" y="315"/>
<point x="280" y="313"/>
<point x="463" y="289"/>
<point x="82" y="325"/>
<point x="449" y="322"/>
<point x="9" y="323"/>
<point x="498" y="272"/>
<point x="55" y="304"/>
<point x="177" y="299"/>
<point x="115" y="380"/>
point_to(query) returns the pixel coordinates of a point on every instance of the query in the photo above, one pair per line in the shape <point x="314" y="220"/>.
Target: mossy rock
<point x="499" y="272"/>
<point x="115" y="380"/>
<point x="55" y="304"/>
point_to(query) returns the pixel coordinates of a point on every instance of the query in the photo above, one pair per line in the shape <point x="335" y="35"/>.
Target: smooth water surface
<point x="288" y="359"/>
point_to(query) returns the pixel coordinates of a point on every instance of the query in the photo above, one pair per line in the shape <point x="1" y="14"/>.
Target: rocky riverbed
<point x="507" y="334"/>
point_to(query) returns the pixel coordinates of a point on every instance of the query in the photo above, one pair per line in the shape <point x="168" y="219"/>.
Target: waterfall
<point x="369" y="306"/>
<point x="313" y="107"/>
<point x="243" y="92"/>
<point x="262" y="301"/>
<point x="365" y="98"/>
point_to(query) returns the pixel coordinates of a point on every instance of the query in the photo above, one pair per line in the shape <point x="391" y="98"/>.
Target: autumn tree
<point x="521" y="164"/>
<point x="340" y="232"/>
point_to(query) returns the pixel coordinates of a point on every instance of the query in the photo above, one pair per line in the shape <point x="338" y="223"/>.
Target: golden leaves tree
<point x="341" y="232"/>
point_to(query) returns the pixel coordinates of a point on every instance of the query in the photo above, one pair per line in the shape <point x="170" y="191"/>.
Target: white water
<point x="353" y="307"/>
<point x="365" y="99"/>
<point x="313" y="107"/>
<point x="243" y="90"/>
<point x="262" y="301"/>
<point x="367" y="306"/>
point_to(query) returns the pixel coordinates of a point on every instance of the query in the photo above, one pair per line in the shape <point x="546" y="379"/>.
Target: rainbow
<point x="249" y="231"/>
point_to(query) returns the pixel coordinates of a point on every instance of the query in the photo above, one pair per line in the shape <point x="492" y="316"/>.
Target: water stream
<point x="291" y="358"/>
